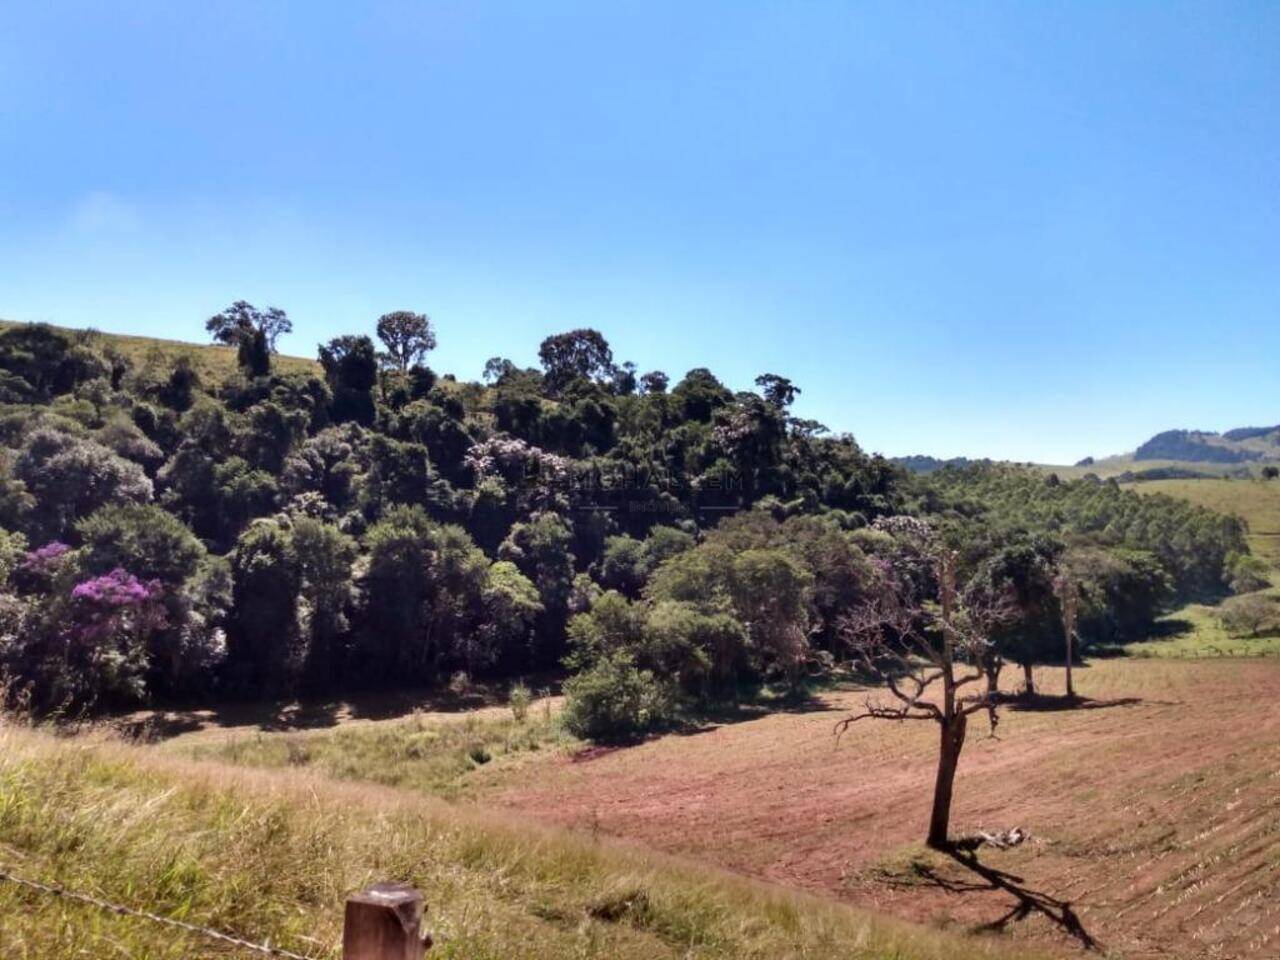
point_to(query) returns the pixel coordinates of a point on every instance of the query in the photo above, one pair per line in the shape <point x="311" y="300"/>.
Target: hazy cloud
<point x="103" y="212"/>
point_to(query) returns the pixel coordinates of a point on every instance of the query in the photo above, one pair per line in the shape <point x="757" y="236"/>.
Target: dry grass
<point x="270" y="855"/>
<point x="215" y="364"/>
<point x="444" y="756"/>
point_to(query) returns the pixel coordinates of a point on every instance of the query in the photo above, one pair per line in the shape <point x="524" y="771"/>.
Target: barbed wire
<point x="264" y="949"/>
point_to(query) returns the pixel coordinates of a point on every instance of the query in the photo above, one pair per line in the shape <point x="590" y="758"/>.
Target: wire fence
<point x="263" y="949"/>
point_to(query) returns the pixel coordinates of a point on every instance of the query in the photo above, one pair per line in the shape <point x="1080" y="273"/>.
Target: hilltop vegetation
<point x="365" y="522"/>
<point x="152" y="358"/>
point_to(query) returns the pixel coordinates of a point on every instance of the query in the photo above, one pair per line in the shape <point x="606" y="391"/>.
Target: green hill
<point x="1257" y="502"/>
<point x="214" y="363"/>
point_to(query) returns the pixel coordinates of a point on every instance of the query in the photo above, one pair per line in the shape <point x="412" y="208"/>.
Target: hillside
<point x="1257" y="502"/>
<point x="270" y="855"/>
<point x="215" y="364"/>
<point x="1184" y="455"/>
<point x="1197" y="446"/>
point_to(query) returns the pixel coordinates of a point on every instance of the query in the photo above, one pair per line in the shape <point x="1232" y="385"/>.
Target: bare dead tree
<point x="927" y="652"/>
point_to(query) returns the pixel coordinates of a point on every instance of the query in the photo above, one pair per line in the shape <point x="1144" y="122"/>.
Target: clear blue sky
<point x="1033" y="230"/>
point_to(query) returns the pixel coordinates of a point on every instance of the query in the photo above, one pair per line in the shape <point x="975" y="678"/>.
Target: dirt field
<point x="1154" y="809"/>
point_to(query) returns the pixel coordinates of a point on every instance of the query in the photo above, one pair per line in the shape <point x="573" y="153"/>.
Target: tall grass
<point x="437" y="756"/>
<point x="271" y="854"/>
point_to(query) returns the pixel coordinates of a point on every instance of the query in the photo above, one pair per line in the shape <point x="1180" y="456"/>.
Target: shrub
<point x="1247" y="574"/>
<point x="520" y="699"/>
<point x="1248" y="615"/>
<point x="615" y="700"/>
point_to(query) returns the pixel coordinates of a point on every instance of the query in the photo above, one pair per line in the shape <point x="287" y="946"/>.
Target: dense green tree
<point x="408" y="337"/>
<point x="263" y="644"/>
<point x="70" y="477"/>
<point x="779" y="391"/>
<point x="771" y="593"/>
<point x="699" y="395"/>
<point x="144" y="538"/>
<point x="324" y="557"/>
<point x="351" y="369"/>
<point x="625" y="565"/>
<point x="654" y="382"/>
<point x="577" y="355"/>
<point x="38" y="362"/>
<point x="542" y="548"/>
<point x="1246" y="573"/>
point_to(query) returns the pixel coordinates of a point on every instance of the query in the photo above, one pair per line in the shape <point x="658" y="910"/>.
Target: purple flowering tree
<point x="45" y="560"/>
<point x="37" y="570"/>
<point x="110" y="620"/>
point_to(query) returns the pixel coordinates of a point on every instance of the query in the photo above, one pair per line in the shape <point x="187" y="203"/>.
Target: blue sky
<point x="1028" y="230"/>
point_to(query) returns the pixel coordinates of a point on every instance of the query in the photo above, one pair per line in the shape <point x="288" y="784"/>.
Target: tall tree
<point x="579" y="354"/>
<point x="252" y="332"/>
<point x="655" y="381"/>
<point x="496" y="369"/>
<point x="408" y="337"/>
<point x="779" y="391"/>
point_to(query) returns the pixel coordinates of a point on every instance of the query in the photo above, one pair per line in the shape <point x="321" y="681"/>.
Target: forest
<point x="666" y="544"/>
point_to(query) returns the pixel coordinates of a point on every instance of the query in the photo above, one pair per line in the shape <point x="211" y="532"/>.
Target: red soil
<point x="1154" y="810"/>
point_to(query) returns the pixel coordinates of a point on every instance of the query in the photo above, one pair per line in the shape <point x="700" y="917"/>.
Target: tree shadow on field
<point x="311" y="712"/>
<point x="988" y="879"/>
<point x="1171" y="628"/>
<point x="1041" y="703"/>
<point x="729" y="713"/>
<point x="1028" y="901"/>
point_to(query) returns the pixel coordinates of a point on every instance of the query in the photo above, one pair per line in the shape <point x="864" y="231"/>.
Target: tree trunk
<point x="992" y="669"/>
<point x="1071" y="690"/>
<point x="1030" y="680"/>
<point x="952" y="741"/>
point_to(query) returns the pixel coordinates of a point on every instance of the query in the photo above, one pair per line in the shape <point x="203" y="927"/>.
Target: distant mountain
<point x="920" y="463"/>
<point x="1173" y="454"/>
<point x="1242" y="445"/>
<point x="1252" y="433"/>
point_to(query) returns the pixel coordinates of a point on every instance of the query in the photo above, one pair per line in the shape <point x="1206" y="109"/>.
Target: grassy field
<point x="215" y="364"/>
<point x="445" y="757"/>
<point x="271" y="854"/>
<point x="1195" y="632"/>
<point x="1257" y="502"/>
<point x="1106" y="467"/>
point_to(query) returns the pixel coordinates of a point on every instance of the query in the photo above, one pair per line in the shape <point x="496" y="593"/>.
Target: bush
<point x="1248" y="573"/>
<point x="519" y="699"/>
<point x="614" y="700"/>
<point x="1249" y="615"/>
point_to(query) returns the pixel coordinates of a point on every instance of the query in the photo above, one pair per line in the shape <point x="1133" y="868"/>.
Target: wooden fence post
<point x="384" y="923"/>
